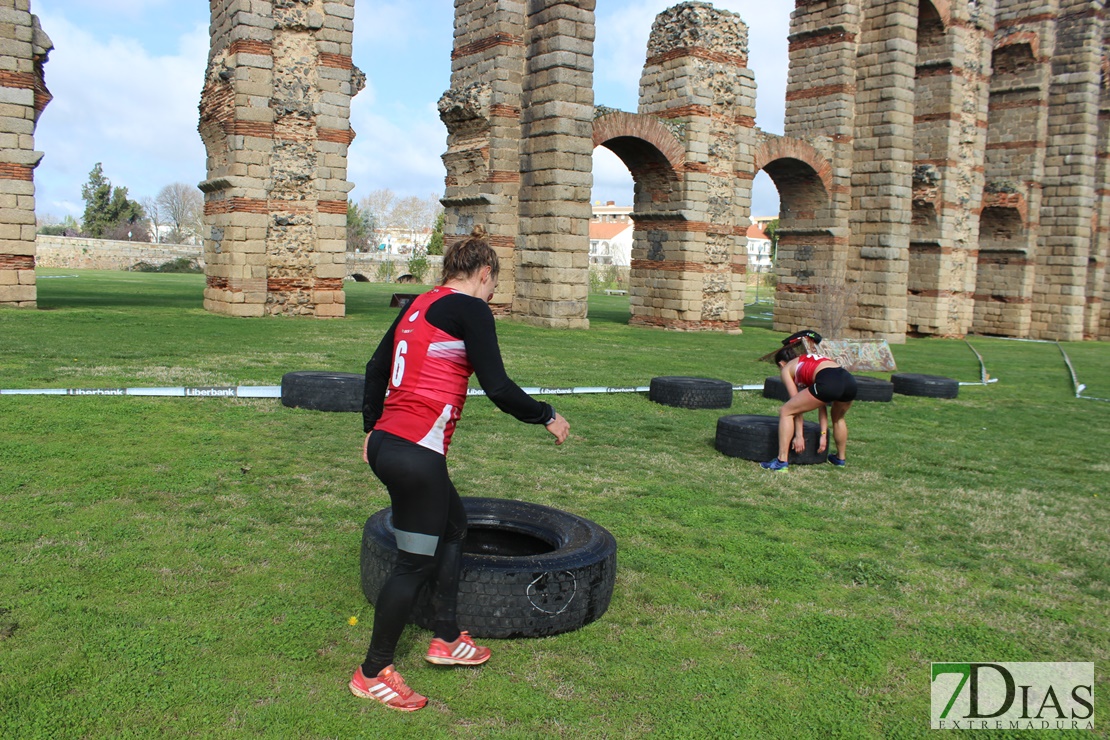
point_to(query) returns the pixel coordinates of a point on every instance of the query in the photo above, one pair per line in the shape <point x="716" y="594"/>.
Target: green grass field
<point x="188" y="567"/>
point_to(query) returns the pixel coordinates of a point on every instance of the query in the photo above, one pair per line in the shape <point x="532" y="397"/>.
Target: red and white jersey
<point x="806" y="369"/>
<point x="428" y="379"/>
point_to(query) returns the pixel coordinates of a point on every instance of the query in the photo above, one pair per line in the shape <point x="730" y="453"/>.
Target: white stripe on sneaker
<point x="463" y="651"/>
<point x="383" y="692"/>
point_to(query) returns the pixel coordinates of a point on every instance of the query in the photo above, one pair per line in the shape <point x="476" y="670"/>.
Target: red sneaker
<point x="388" y="688"/>
<point x="462" y="651"/>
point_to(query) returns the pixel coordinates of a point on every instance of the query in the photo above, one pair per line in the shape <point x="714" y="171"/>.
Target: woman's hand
<point x="365" y="443"/>
<point x="559" y="428"/>
<point x="824" y="443"/>
<point x="799" y="443"/>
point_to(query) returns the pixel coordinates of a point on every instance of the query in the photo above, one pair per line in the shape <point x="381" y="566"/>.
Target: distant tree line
<point x="174" y="216"/>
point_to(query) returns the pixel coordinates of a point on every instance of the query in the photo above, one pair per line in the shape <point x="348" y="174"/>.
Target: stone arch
<point x="614" y="129"/>
<point x="783" y="149"/>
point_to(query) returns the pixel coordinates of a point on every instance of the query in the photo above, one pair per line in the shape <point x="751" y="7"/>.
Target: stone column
<point x="882" y="175"/>
<point x="482" y="115"/>
<point x="1097" y="325"/>
<point x="953" y="56"/>
<point x="689" y="259"/>
<point x="275" y="119"/>
<point x="815" y="288"/>
<point x="1059" y="291"/>
<point x="556" y="164"/>
<point x="23" y="96"/>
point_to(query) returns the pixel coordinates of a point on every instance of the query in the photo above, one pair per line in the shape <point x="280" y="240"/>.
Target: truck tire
<point x="319" y="390"/>
<point x="931" y="386"/>
<point x="527" y="570"/>
<point x="756" y="438"/>
<point x="691" y="393"/>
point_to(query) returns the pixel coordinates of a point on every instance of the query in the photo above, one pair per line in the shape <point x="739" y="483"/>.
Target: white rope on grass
<point x="234" y="391"/>
<point x="984" y="379"/>
<point x="274" y="391"/>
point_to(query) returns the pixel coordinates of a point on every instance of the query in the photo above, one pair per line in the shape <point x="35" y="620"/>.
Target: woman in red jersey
<point x="813" y="381"/>
<point x="416" y="385"/>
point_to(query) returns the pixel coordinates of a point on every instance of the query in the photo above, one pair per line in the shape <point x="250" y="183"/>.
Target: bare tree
<point x="153" y="216"/>
<point x="415" y="215"/>
<point x="182" y="206"/>
<point x="377" y="207"/>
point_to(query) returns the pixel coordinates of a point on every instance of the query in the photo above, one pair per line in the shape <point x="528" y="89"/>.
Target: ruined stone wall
<point x="976" y="184"/>
<point x="23" y="96"/>
<point x="275" y="120"/>
<point x="78" y="253"/>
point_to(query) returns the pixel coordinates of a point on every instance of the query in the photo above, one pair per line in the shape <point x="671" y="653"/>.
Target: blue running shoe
<point x="837" y="461"/>
<point x="775" y="464"/>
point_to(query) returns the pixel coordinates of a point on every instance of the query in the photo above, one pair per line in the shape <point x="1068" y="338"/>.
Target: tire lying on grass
<point x="931" y="386"/>
<point x="691" y="393"/>
<point x="756" y="438"/>
<point x="870" y="389"/>
<point x="319" y="390"/>
<point x="527" y="570"/>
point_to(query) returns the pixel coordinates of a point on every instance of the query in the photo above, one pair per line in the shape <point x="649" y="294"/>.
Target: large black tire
<point x="757" y="438"/>
<point x="874" y="389"/>
<point x="691" y="393"/>
<point x="870" y="389"/>
<point x="527" y="570"/>
<point x="320" y="390"/>
<point x="931" y="386"/>
<point x="773" y="387"/>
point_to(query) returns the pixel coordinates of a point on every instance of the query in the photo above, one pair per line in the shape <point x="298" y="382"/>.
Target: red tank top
<point x="806" y="369"/>
<point x="428" y="379"/>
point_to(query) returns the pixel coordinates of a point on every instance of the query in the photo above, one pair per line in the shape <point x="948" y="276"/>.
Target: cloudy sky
<point x="126" y="78"/>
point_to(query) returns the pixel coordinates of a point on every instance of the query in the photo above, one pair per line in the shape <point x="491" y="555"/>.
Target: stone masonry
<point x="967" y="144"/>
<point x="275" y="120"/>
<point x="23" y="96"/>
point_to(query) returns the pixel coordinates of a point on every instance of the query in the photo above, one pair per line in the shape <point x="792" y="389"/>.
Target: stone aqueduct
<point x="943" y="171"/>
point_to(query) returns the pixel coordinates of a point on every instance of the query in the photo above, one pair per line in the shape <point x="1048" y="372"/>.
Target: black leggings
<point x="834" y="384"/>
<point x="430" y="524"/>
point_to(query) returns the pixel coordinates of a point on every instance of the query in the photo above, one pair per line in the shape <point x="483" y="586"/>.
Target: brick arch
<point x="783" y="148"/>
<point x="618" y="125"/>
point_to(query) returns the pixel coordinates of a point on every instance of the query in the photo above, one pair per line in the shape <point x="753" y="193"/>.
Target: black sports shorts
<point x="834" y="384"/>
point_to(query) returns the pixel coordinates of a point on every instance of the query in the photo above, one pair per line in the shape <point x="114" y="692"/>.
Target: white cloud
<point x="398" y="147"/>
<point x="118" y="104"/>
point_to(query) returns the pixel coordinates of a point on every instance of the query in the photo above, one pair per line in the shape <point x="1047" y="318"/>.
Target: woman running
<point x="812" y="382"/>
<point x="415" y="389"/>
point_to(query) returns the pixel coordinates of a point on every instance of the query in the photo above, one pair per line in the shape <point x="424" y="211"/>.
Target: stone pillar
<point x="689" y="257"/>
<point x="275" y="120"/>
<point x="556" y="164"/>
<point x="1060" y="287"/>
<point x="23" y="96"/>
<point x="814" y="288"/>
<point x="482" y="115"/>
<point x="953" y="56"/>
<point x="1017" y="128"/>
<point x="882" y="174"/>
<point x="1097" y="325"/>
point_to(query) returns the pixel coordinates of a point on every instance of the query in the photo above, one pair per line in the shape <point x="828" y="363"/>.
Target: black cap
<point x="798" y="336"/>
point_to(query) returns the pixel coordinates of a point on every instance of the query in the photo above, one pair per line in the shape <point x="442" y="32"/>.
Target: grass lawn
<point x="189" y="566"/>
